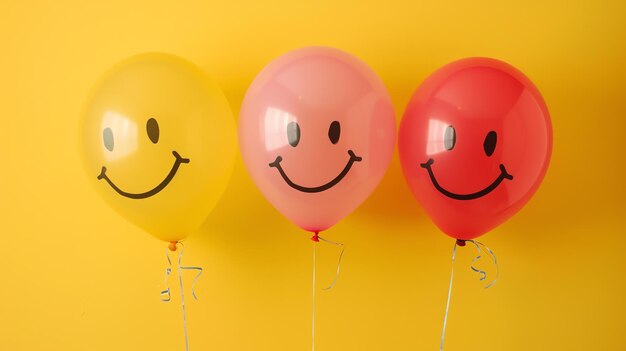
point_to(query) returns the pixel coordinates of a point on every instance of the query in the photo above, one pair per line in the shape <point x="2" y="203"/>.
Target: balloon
<point x="317" y="131"/>
<point x="475" y="142"/>
<point x="158" y="143"/>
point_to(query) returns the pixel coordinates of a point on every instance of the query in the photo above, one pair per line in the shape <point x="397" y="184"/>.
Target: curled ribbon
<point x="343" y="248"/>
<point x="166" y="294"/>
<point x="482" y="273"/>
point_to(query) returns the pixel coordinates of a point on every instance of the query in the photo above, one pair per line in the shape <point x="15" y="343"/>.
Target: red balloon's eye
<point x="449" y="138"/>
<point x="490" y="143"/>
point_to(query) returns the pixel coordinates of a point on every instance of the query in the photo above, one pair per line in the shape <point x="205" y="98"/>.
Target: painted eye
<point x="449" y="138"/>
<point x="107" y="138"/>
<point x="334" y="131"/>
<point x="490" y="143"/>
<point x="293" y="133"/>
<point x="152" y="127"/>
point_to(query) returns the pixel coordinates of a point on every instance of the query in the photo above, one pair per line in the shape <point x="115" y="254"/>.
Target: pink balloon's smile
<point x="317" y="189"/>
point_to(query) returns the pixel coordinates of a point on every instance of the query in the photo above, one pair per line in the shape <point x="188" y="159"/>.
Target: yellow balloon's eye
<point x="152" y="127"/>
<point x="107" y="138"/>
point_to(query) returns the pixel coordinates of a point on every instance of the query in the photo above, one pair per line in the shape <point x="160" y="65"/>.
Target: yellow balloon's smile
<point x="179" y="160"/>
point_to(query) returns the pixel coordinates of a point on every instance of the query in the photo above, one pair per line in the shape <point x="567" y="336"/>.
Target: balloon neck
<point x="316" y="237"/>
<point x="460" y="242"/>
<point x="172" y="245"/>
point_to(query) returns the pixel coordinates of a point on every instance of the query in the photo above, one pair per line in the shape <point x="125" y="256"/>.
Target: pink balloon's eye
<point x="293" y="133"/>
<point x="334" y="131"/>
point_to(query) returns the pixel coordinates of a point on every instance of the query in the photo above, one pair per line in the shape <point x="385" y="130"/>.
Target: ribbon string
<point x="338" y="270"/>
<point x="195" y="280"/>
<point x="445" y="318"/>
<point x="315" y="239"/>
<point x="483" y="274"/>
<point x="482" y="277"/>
<point x="313" y="298"/>
<point x="166" y="294"/>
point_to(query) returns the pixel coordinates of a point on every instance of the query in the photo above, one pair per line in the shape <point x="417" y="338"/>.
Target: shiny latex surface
<point x="158" y="143"/>
<point x="317" y="131"/>
<point x="475" y="143"/>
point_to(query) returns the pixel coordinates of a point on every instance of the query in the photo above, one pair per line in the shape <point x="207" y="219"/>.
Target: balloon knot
<point x="316" y="237"/>
<point x="460" y="242"/>
<point x="172" y="245"/>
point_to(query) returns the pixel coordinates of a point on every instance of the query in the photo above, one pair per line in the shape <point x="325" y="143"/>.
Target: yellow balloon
<point x="158" y="143"/>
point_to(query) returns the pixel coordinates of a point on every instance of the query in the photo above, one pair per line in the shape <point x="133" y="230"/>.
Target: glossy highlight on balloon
<point x="475" y="143"/>
<point x="317" y="131"/>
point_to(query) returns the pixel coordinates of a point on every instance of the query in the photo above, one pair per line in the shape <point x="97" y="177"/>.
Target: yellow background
<point x="76" y="276"/>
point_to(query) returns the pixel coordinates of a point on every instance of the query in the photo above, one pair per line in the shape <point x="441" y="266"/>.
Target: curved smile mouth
<point x="503" y="175"/>
<point x="148" y="193"/>
<point x="353" y="158"/>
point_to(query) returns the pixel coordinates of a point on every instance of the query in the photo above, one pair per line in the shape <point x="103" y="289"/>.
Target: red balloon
<point x="475" y="143"/>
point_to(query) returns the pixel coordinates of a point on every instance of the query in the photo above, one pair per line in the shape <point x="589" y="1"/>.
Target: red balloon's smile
<point x="503" y="175"/>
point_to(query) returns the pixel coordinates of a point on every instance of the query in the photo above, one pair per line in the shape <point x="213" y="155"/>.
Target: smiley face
<point x="317" y="131"/>
<point x="489" y="146"/>
<point x="293" y="136"/>
<point x="158" y="143"/>
<point x="153" y="132"/>
<point x="475" y="142"/>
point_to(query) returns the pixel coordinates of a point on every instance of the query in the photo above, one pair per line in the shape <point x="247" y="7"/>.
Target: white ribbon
<point x="166" y="295"/>
<point x="482" y="273"/>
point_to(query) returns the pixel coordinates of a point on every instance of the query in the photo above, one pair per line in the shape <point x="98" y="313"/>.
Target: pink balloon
<point x="317" y="132"/>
